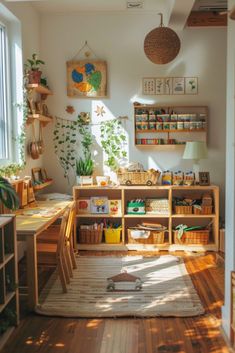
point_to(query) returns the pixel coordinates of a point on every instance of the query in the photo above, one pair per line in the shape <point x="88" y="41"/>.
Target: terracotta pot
<point x="34" y="76"/>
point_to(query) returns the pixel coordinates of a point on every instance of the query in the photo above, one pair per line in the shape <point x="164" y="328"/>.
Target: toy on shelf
<point x="40" y="179"/>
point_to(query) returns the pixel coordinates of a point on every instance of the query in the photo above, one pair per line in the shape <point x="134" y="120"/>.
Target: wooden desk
<point x="27" y="228"/>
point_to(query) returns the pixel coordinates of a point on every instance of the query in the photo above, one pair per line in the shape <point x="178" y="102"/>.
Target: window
<point x="4" y="136"/>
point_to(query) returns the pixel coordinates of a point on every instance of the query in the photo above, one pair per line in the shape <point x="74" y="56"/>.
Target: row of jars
<point x="150" y="141"/>
<point x="177" y="125"/>
<point x="168" y="117"/>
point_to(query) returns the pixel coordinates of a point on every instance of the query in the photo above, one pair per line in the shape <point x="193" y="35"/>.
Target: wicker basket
<point x="183" y="209"/>
<point x="202" y="210"/>
<point x="90" y="236"/>
<point x="199" y="237"/>
<point x="154" y="238"/>
<point x="138" y="178"/>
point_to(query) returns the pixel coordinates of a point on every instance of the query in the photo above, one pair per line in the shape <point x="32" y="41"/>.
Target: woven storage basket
<point x="90" y="236"/>
<point x="202" y="210"/>
<point x="183" y="209"/>
<point x="138" y="178"/>
<point x="200" y="237"/>
<point x="154" y="238"/>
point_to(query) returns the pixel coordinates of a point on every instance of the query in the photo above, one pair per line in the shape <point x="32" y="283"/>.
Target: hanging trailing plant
<point x="65" y="139"/>
<point x="23" y="107"/>
<point x="112" y="142"/>
<point x="85" y="164"/>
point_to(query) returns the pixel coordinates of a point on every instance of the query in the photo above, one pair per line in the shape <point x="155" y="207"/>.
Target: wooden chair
<point x="53" y="254"/>
<point x="50" y="236"/>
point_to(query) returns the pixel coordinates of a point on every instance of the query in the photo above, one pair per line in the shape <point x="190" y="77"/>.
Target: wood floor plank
<point x="37" y="334"/>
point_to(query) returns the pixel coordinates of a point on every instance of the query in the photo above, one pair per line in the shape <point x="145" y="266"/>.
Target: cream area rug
<point x="167" y="289"/>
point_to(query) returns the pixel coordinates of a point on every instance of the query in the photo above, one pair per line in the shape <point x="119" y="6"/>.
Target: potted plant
<point x="32" y="66"/>
<point x="84" y="171"/>
<point x="85" y="164"/>
<point x="8" y="195"/>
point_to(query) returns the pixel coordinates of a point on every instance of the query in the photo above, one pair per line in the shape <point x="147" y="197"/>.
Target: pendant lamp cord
<point x="161" y="16"/>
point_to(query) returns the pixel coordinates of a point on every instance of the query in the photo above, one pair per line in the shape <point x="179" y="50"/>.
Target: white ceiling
<point x="175" y="12"/>
<point x="95" y="5"/>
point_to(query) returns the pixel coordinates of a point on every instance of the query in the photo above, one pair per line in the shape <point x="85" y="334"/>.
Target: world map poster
<point x="87" y="78"/>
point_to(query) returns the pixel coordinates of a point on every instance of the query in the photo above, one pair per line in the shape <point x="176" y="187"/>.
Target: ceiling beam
<point x="179" y="14"/>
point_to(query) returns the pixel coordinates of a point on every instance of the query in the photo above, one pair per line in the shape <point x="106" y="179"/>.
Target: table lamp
<point x="195" y="150"/>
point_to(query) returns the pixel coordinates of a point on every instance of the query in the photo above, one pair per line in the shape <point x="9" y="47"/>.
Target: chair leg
<point x="72" y="256"/>
<point x="65" y="266"/>
<point x="62" y="276"/>
<point x="69" y="261"/>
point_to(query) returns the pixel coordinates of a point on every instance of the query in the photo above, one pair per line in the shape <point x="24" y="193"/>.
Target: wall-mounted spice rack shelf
<point x="159" y="122"/>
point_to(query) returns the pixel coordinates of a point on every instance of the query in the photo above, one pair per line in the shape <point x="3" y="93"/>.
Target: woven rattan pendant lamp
<point x="162" y="44"/>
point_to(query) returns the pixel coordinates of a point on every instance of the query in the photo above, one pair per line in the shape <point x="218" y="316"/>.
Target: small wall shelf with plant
<point x="37" y="108"/>
<point x="36" y="92"/>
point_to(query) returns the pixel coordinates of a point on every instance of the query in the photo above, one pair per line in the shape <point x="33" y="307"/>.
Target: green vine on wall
<point x="24" y="108"/>
<point x="112" y="142"/>
<point x="65" y="139"/>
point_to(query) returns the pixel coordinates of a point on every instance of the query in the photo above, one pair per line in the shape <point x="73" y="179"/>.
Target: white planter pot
<point x="84" y="180"/>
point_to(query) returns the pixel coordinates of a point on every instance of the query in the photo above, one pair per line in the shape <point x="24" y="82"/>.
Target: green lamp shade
<point x="195" y="150"/>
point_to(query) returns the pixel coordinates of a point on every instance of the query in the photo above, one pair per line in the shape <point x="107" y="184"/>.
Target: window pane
<point x="3" y="96"/>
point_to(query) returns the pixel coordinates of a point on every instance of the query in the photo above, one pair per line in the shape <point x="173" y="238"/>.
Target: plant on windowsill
<point x="32" y="67"/>
<point x="85" y="164"/>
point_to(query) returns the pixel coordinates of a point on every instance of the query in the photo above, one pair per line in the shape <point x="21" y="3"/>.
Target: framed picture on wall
<point x="168" y="85"/>
<point x="178" y="85"/>
<point x="148" y="85"/>
<point x="191" y="85"/>
<point x="204" y="178"/>
<point x="160" y="85"/>
<point x="87" y="78"/>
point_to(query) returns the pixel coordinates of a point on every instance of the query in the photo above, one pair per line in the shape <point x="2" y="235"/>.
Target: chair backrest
<point x="71" y="220"/>
<point x="62" y="235"/>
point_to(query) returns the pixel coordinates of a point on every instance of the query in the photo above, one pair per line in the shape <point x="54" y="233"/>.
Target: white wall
<point x="118" y="38"/>
<point x="230" y="172"/>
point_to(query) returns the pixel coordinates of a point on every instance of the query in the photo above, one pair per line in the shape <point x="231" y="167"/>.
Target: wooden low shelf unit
<point x="170" y="220"/>
<point x="9" y="300"/>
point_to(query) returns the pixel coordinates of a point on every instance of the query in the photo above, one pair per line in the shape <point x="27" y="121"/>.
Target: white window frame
<point x="7" y="99"/>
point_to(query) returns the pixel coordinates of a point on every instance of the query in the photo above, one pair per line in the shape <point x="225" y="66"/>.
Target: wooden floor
<point x="38" y="334"/>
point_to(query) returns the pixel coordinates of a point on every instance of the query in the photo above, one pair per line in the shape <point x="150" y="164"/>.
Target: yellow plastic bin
<point x="112" y="235"/>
